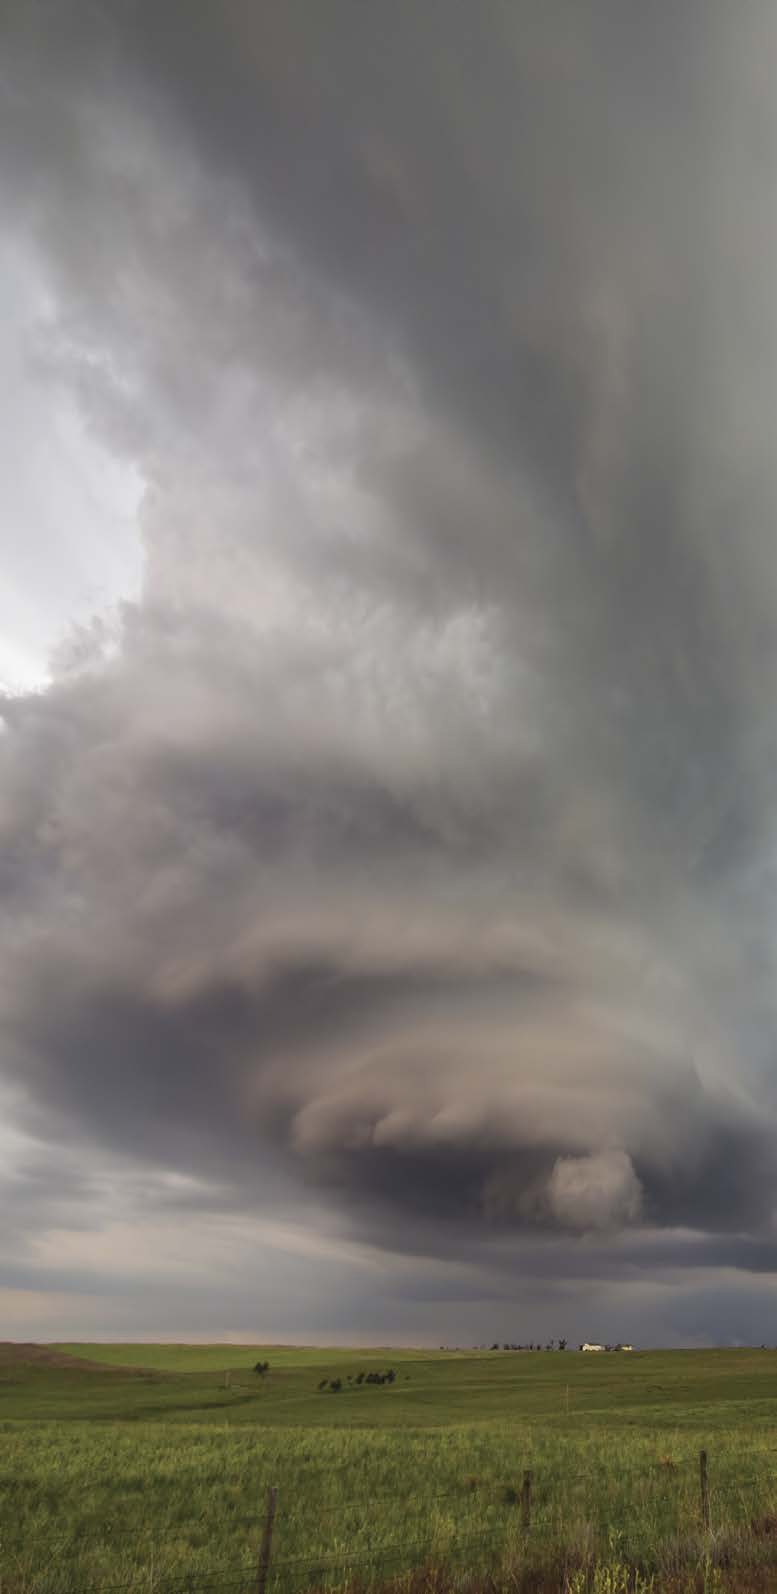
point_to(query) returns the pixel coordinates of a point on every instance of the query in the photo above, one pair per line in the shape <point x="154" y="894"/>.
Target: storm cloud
<point x="398" y="865"/>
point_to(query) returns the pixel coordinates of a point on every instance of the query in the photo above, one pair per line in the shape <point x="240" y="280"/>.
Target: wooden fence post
<point x="526" y="1501"/>
<point x="264" y="1553"/>
<point x="705" y="1488"/>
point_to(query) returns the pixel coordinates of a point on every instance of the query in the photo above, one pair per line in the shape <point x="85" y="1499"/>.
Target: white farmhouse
<point x="592" y="1347"/>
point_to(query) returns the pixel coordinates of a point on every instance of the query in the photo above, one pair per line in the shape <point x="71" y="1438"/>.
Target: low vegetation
<point x="144" y="1469"/>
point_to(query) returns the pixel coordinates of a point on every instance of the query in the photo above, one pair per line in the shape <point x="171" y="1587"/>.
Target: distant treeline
<point x="334" y="1385"/>
<point x="552" y="1344"/>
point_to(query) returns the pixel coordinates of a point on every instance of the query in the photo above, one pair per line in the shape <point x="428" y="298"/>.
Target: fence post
<point x="526" y="1501"/>
<point x="705" y="1488"/>
<point x="264" y="1553"/>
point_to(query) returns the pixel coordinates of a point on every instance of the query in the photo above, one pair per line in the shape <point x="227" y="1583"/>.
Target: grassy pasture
<point x="140" y="1467"/>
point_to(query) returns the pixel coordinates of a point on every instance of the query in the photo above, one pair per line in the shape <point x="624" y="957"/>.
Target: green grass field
<point x="145" y="1467"/>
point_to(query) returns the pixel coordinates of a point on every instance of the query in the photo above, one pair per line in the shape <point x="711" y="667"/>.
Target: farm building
<point x="588" y="1346"/>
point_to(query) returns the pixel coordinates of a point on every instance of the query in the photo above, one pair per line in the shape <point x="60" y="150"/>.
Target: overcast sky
<point x="388" y="639"/>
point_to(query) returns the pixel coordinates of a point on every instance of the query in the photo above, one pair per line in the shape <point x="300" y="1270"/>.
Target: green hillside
<point x="146" y="1467"/>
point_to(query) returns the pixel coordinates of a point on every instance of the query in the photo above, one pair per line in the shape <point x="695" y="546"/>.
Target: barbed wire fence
<point x="264" y="1568"/>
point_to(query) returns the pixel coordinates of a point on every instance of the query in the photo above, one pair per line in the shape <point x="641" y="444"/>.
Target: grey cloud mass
<point x="397" y="870"/>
